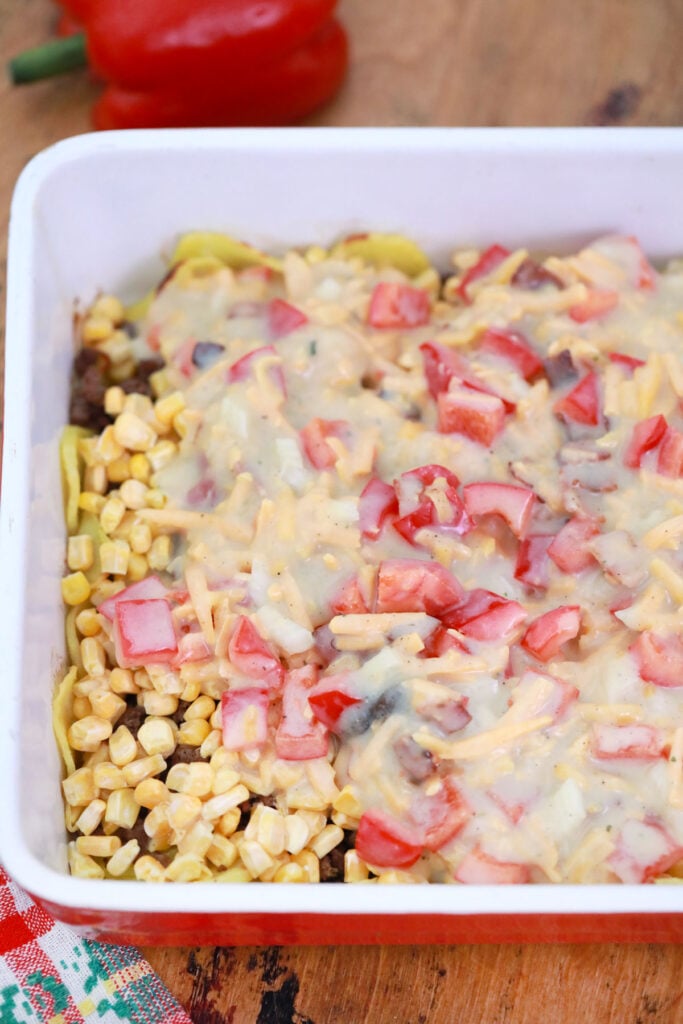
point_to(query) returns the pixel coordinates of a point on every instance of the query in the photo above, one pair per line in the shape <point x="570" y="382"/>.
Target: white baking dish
<point x="97" y="212"/>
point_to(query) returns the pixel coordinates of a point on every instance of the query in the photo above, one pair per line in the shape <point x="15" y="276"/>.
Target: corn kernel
<point x="148" y="869"/>
<point x="143" y="768"/>
<point x="122" y="746"/>
<point x="290" y="873"/>
<point x="326" y="840"/>
<point x="310" y="863"/>
<point x="88" y="501"/>
<point x="112" y="514"/>
<point x="182" y="811"/>
<point x="159" y="382"/>
<point x="355" y="870"/>
<point x="347" y="802"/>
<point x="121" y="681"/>
<point x="106" y="704"/>
<point x="108" y="306"/>
<point x="155" y="498"/>
<point x="160" y="705"/>
<point x="224" y="779"/>
<point x="151" y="792"/>
<point x="137" y="567"/>
<point x="118" y="350"/>
<point x="270" y="831"/>
<point x="193" y="733"/>
<point x="122" y="808"/>
<point x="82" y="866"/>
<point x="108" y="776"/>
<point x="95" y="479"/>
<point x="79" y="788"/>
<point x="161" y="454"/>
<point x="222" y="853"/>
<point x="227" y="825"/>
<point x="98" y="846"/>
<point x="315" y="820"/>
<point x="140" y="538"/>
<point x="133" y="494"/>
<point x="88" y="622"/>
<point x="255" y="859"/>
<point x="107" y="448"/>
<point x="93" y="656"/>
<point x="197" y="839"/>
<point x="194" y="779"/>
<point x="186" y="424"/>
<point x="90" y="818"/>
<point x="192" y="687"/>
<point x="119" y="470"/>
<point x="237" y="873"/>
<point x="95" y="757"/>
<point x="157" y="737"/>
<point x="114" y="557"/>
<point x="81" y="707"/>
<point x="188" y="868"/>
<point x="75" y="589"/>
<point x="139" y="405"/>
<point x="80" y="552"/>
<point x="169" y="406"/>
<point x="211" y="743"/>
<point x="88" y="733"/>
<point x="113" y="400"/>
<point x="122" y="860"/>
<point x="71" y="816"/>
<point x="202" y="707"/>
<point x="297" y="833"/>
<point x="96" y="328"/>
<point x="133" y="433"/>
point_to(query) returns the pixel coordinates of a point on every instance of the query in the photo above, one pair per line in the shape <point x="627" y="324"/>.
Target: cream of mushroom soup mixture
<point x="374" y="574"/>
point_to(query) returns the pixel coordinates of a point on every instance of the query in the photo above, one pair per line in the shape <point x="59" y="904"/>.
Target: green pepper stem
<point x="49" y="59"/>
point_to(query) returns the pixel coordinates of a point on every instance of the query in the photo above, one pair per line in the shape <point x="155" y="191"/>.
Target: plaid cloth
<point x="49" y="975"/>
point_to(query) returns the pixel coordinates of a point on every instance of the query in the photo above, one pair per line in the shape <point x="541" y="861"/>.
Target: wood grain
<point x="436" y="62"/>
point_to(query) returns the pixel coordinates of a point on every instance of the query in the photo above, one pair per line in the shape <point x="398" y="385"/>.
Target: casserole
<point x="71" y="235"/>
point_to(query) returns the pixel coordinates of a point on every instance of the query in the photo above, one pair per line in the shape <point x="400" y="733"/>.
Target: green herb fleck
<point x="313" y="348"/>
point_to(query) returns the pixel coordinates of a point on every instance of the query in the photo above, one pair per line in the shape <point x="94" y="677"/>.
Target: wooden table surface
<point x="432" y="62"/>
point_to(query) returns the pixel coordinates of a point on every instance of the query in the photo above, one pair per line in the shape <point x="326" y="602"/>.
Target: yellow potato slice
<point x="384" y="250"/>
<point x="71" y="473"/>
<point x="62" y="717"/>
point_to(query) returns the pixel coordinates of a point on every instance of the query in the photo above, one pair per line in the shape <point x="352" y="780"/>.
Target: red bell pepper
<point x="212" y="63"/>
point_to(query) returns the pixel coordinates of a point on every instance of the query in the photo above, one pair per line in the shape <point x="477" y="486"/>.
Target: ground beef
<point x="332" y="864"/>
<point x="133" y="716"/>
<point x="184" y="754"/>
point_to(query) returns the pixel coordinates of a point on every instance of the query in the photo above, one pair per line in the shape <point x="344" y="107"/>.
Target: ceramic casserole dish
<point x="96" y="212"/>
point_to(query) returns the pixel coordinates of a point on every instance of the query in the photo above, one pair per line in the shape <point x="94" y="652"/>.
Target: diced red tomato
<point x="385" y="842"/>
<point x="637" y="742"/>
<point x="540" y="694"/>
<point x="546" y="634"/>
<point x="646" y="435"/>
<point x="441" y="364"/>
<point x="147" y="588"/>
<point x="582" y="404"/>
<point x="568" y="548"/>
<point x="411" y="585"/>
<point x="192" y="647"/>
<point x="283" y="318"/>
<point x="659" y="658"/>
<point x="515" y="349"/>
<point x="485" y="616"/>
<point x="300" y="736"/>
<point x="644" y="851"/>
<point x="485" y="265"/>
<point x="475" y="414"/>
<point x="243" y="369"/>
<point x="182" y="357"/>
<point x="350" y="600"/>
<point x="330" y="698"/>
<point x="376" y="504"/>
<point x="417" y="508"/>
<point x="144" y="633"/>
<point x="244" y="714"/>
<point x="532" y="566"/>
<point x="314" y="439"/>
<point x="477" y="868"/>
<point x="398" y="306"/>
<point x="670" y="457"/>
<point x="252" y="656"/>
<point x="512" y="503"/>
<point x="597" y="304"/>
<point x="440" y="642"/>
<point x="441" y="815"/>
<point x="628" y="362"/>
<point x="204" y="492"/>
